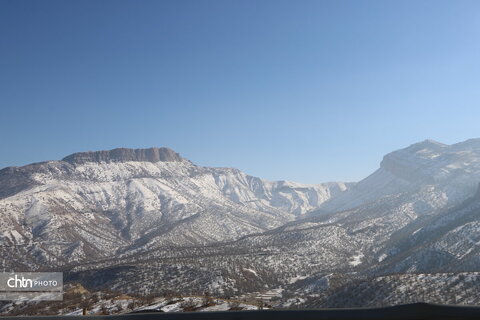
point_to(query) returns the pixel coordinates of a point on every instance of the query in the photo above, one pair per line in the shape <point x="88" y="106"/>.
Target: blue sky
<point x="308" y="91"/>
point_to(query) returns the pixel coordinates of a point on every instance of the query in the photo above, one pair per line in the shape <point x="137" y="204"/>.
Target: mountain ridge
<point x="100" y="204"/>
<point x="231" y="233"/>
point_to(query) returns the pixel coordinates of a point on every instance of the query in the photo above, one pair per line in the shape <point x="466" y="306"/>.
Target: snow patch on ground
<point x="356" y="259"/>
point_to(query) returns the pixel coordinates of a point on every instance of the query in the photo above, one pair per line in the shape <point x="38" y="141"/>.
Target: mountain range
<point x="149" y="220"/>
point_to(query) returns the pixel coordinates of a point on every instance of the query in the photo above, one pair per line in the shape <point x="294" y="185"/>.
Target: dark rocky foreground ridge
<point x="418" y="311"/>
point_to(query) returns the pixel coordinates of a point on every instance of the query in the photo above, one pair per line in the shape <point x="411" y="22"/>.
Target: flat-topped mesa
<point x="124" y="155"/>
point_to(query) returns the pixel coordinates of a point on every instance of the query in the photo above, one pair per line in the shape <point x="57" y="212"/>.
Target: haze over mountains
<point x="148" y="216"/>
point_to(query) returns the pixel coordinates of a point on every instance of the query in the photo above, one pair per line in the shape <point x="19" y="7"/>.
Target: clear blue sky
<point x="308" y="91"/>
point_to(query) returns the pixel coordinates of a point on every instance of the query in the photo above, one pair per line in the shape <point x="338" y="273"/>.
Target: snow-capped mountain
<point x="128" y="219"/>
<point x="452" y="169"/>
<point x="94" y="205"/>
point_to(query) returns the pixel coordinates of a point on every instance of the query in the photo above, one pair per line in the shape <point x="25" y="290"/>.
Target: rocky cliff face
<point x="124" y="155"/>
<point x="415" y="163"/>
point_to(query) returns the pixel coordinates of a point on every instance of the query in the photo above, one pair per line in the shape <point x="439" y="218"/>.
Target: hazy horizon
<point x="264" y="177"/>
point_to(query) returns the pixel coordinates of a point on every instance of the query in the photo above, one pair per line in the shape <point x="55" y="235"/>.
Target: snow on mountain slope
<point x="365" y="241"/>
<point x="153" y="215"/>
<point x="398" y="289"/>
<point x="162" y="216"/>
<point x="452" y="169"/>
<point x="446" y="242"/>
<point x="284" y="195"/>
<point x="96" y="204"/>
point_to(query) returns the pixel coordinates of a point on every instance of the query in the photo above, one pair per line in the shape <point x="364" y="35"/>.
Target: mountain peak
<point x="426" y="144"/>
<point x="123" y="155"/>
